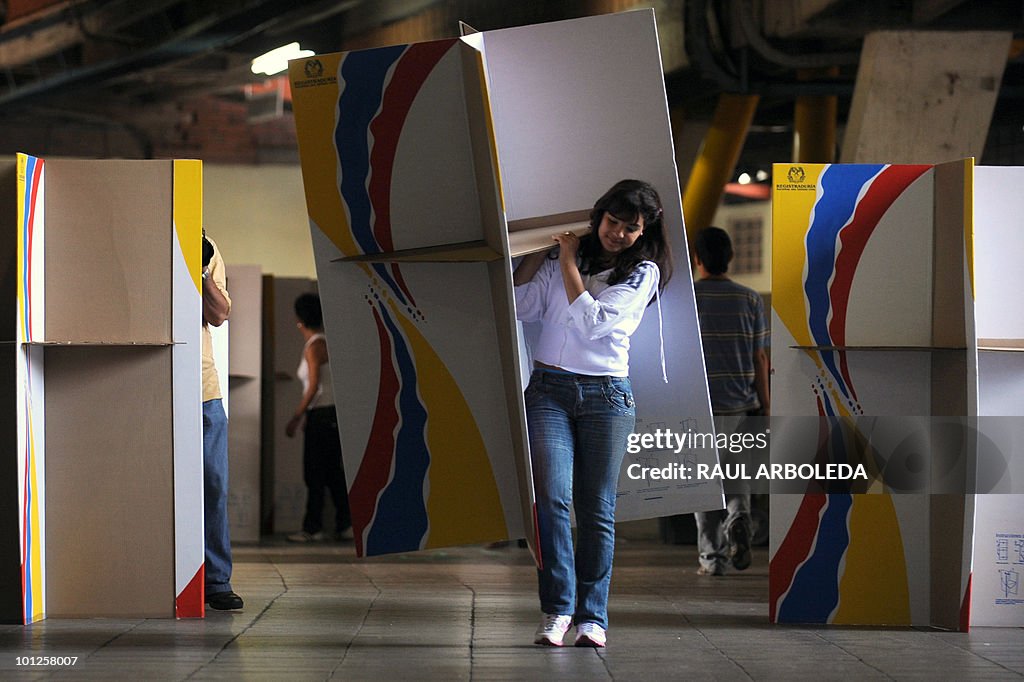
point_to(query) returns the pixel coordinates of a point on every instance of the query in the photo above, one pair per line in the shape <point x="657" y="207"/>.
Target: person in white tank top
<point x="321" y="452"/>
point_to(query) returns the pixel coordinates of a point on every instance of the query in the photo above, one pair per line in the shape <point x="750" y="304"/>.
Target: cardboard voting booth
<point x="876" y="283"/>
<point x="428" y="168"/>
<point x="102" y="512"/>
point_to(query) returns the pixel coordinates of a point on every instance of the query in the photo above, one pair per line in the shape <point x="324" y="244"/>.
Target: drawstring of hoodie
<point x="661" y="334"/>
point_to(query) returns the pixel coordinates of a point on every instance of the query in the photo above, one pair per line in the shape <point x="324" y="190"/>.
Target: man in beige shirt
<point x="216" y="307"/>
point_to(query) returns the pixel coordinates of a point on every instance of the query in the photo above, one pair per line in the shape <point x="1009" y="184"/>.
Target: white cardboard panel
<point x="996" y="594"/>
<point x="897" y="258"/>
<point x="435" y="145"/>
<point x="998" y="247"/>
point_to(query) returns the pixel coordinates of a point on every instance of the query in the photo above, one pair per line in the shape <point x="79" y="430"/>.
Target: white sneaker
<point x="303" y="536"/>
<point x="552" y="629"/>
<point x="590" y="634"/>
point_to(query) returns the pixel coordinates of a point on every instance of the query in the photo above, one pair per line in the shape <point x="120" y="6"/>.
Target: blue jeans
<point x="578" y="426"/>
<point x="215" y="479"/>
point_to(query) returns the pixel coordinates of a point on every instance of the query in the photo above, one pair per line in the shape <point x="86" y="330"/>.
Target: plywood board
<point x="109" y="476"/>
<point x="108" y="248"/>
<point x="924" y="96"/>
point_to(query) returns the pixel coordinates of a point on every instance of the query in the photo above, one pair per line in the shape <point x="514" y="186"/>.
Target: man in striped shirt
<point x="735" y="339"/>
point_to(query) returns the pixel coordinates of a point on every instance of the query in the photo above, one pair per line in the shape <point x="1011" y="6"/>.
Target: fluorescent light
<point x="744" y="179"/>
<point x="276" y="60"/>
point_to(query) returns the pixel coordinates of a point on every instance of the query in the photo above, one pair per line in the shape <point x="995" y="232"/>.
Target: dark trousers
<point x="322" y="468"/>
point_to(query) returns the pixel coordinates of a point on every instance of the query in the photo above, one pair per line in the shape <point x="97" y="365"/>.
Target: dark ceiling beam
<point x="39" y="36"/>
<point x="926" y="11"/>
<point x="212" y="29"/>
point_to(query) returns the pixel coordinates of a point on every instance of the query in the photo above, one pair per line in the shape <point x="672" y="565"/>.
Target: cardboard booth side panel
<point x="30" y="391"/>
<point x="31" y="480"/>
<point x="31" y="262"/>
<point x="996" y="597"/>
<point x="108" y="269"/>
<point x="954" y="387"/>
<point x="186" y="360"/>
<point x="564" y="135"/>
<point x="11" y="610"/>
<point x="425" y="431"/>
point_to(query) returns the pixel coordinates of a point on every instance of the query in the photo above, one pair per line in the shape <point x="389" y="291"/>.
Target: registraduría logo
<point x="796" y="179"/>
<point x="313" y="69"/>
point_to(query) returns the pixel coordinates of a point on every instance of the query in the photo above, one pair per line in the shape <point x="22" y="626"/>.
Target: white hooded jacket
<point x="590" y="336"/>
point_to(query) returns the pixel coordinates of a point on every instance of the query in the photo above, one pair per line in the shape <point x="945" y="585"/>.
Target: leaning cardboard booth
<point x="101" y="510"/>
<point x="428" y="168"/>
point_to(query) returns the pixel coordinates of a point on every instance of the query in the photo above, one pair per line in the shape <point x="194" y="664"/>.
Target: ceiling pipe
<point x="748" y="26"/>
<point x="703" y="58"/>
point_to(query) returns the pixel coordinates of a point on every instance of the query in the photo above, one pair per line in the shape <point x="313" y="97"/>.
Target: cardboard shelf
<point x="531" y="235"/>
<point x="525" y="236"/>
<point x="95" y="344"/>
<point x="464" y="252"/>
<point x="1004" y="345"/>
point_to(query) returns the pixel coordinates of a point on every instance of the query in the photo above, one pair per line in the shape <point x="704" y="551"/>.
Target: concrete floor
<point x="316" y="613"/>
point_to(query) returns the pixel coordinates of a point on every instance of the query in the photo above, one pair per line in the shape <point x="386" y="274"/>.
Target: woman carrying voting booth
<point x="589" y="297"/>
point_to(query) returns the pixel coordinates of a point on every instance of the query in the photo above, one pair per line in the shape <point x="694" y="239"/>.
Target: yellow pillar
<point x="716" y="160"/>
<point x="814" y="125"/>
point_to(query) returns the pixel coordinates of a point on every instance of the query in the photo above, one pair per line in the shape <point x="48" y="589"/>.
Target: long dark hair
<point x="628" y="200"/>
